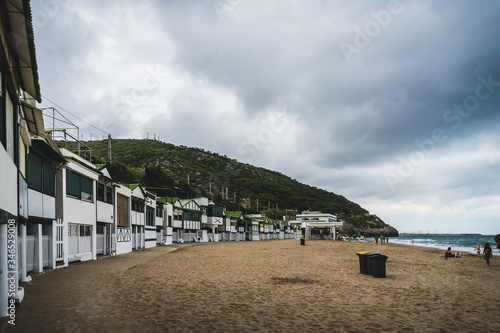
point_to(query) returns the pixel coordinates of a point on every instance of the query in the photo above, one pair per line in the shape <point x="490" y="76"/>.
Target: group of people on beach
<point x="487" y="253"/>
<point x="382" y="239"/>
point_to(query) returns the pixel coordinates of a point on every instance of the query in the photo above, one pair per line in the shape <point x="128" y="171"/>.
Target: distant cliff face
<point x="387" y="231"/>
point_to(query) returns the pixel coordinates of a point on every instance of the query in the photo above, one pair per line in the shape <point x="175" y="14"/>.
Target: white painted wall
<point x="137" y="218"/>
<point x="150" y="234"/>
<point x="105" y="212"/>
<point x="159" y="221"/>
<point x="79" y="211"/>
<point x="123" y="240"/>
<point x="41" y="205"/>
<point x="8" y="176"/>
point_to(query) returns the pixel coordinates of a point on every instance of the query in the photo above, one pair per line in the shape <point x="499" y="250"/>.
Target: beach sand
<point x="275" y="286"/>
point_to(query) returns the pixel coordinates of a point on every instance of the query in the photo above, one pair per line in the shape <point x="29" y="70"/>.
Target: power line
<point x="86" y="122"/>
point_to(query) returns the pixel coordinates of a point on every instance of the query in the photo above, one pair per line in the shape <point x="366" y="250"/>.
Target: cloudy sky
<point x="394" y="105"/>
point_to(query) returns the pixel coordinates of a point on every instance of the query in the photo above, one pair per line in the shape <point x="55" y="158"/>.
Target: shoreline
<point x="277" y="286"/>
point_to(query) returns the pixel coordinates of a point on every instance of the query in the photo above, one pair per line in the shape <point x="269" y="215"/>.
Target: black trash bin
<point x="302" y="241"/>
<point x="363" y="261"/>
<point x="378" y="265"/>
<point x="369" y="264"/>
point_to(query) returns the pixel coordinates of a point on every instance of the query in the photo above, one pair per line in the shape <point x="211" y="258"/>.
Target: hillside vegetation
<point x="191" y="172"/>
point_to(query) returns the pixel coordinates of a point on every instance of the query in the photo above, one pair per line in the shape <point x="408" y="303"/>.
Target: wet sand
<point x="274" y="286"/>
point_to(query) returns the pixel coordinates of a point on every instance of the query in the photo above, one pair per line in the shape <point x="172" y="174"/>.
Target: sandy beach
<point x="274" y="286"/>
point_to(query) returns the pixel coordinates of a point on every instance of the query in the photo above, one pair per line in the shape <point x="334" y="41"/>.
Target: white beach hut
<point x="123" y="203"/>
<point x="76" y="207"/>
<point x="18" y="81"/>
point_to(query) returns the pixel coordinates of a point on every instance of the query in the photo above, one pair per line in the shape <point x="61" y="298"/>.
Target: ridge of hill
<point x="190" y="172"/>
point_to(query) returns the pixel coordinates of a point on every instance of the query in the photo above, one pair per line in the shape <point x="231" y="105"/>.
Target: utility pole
<point x="109" y="148"/>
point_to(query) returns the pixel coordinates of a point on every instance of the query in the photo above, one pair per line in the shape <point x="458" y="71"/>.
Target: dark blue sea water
<point x="458" y="243"/>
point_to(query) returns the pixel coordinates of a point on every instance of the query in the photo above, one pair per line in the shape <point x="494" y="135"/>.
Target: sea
<point x="457" y="242"/>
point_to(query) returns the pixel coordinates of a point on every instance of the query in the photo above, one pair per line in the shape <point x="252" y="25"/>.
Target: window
<point x="49" y="180"/>
<point x="122" y="210"/>
<point x="85" y="230"/>
<point x="40" y="175"/>
<point x="137" y="205"/>
<point x="192" y="216"/>
<point x="215" y="211"/>
<point x="79" y="186"/>
<point x="104" y="193"/>
<point x="159" y="210"/>
<point x="34" y="171"/>
<point x="169" y="221"/>
<point x="150" y="216"/>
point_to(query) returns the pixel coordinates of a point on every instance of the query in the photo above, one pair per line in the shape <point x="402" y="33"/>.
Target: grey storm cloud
<point x="380" y="99"/>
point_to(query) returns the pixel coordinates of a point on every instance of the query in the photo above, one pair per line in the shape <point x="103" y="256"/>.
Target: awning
<point x="34" y="119"/>
<point x="316" y="225"/>
<point x="21" y="39"/>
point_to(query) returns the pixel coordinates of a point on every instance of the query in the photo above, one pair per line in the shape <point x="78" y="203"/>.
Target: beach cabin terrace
<point x="191" y="221"/>
<point x="137" y="216"/>
<point x="41" y="245"/>
<point x="150" y="219"/>
<point x="123" y="204"/>
<point x="76" y="207"/>
<point x="167" y="220"/>
<point x="106" y="240"/>
<point x="18" y="83"/>
<point x="176" y="221"/>
<point x="239" y="226"/>
<point x="216" y="223"/>
<point x="262" y="223"/>
<point x="159" y="220"/>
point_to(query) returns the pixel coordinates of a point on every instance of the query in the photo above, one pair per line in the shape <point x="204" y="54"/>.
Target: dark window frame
<point x="104" y="193"/>
<point x="150" y="216"/>
<point x="78" y="186"/>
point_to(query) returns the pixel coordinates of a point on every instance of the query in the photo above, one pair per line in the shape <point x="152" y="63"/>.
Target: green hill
<point x="190" y="172"/>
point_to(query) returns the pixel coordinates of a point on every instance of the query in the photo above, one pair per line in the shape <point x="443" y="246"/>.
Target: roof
<point x="21" y="28"/>
<point x="45" y="149"/>
<point x="172" y="200"/>
<point x="234" y="214"/>
<point x="34" y="119"/>
<point x="131" y="186"/>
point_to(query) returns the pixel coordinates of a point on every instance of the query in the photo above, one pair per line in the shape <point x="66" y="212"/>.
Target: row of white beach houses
<point x="56" y="207"/>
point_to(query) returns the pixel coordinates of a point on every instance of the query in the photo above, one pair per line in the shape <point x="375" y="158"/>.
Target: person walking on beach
<point x="478" y="249"/>
<point x="382" y="239"/>
<point x="487" y="253"/>
<point x="376" y="240"/>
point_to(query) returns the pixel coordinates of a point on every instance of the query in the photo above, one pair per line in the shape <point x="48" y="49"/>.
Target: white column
<point x="38" y="249"/>
<point x="52" y="228"/>
<point x="65" y="244"/>
<point x="105" y="236"/>
<point x="94" y="242"/>
<point x="22" y="254"/>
